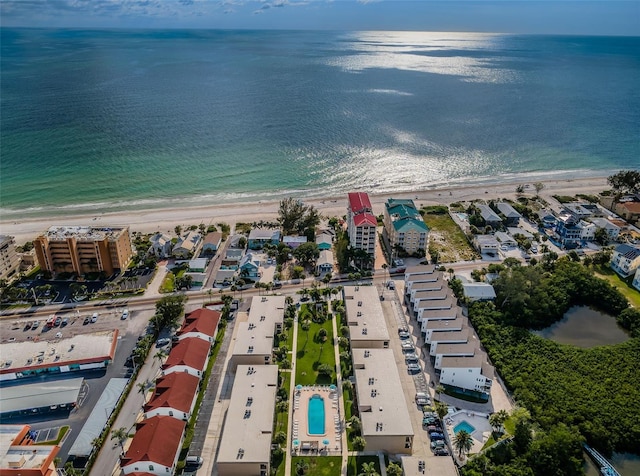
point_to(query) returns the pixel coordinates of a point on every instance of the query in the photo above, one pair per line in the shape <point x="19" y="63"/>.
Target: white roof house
<point x="470" y="373"/>
<point x="613" y="230"/>
<point x="505" y="239"/>
<point x="188" y="245"/>
<point x="486" y="243"/>
<point x="160" y="245"/>
<point x="325" y="261"/>
<point x="479" y="291"/>
<point x="293" y="241"/>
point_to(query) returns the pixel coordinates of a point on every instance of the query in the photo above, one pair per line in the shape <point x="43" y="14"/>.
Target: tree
<point x="302" y="467"/>
<point x="169" y="309"/>
<point x="463" y="442"/>
<point x="538" y="186"/>
<point x="497" y="419"/>
<point x="369" y="469"/>
<point x="441" y="409"/>
<point x="625" y="181"/>
<point x="358" y="443"/>
<point x="355" y="424"/>
<point x="242" y="242"/>
<point x="282" y="407"/>
<point x="601" y="237"/>
<point x="178" y="230"/>
<point x="280" y="437"/>
<point x="120" y="435"/>
<point x="305" y="326"/>
<point x="307" y="253"/>
<point x="325" y="369"/>
<point x="297" y="272"/>
<point x="394" y="469"/>
<point x="295" y="216"/>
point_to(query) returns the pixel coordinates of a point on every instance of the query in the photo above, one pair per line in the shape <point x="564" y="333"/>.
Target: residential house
<point x="490" y="217"/>
<point x="187" y="245"/>
<point x="505" y="240"/>
<point x="174" y="396"/>
<point x="231" y="259"/>
<point x="198" y="265"/>
<point x="444" y="349"/>
<point x="382" y="405"/>
<point x="512" y="217"/>
<point x="404" y="226"/>
<point x="161" y="245"/>
<point x="258" y="237"/>
<point x="324" y="264"/>
<point x="188" y="355"/>
<point x="443" y="325"/>
<point x="625" y="260"/>
<point x="577" y="210"/>
<point x="479" y="291"/>
<point x="636" y="279"/>
<point x="202" y="324"/>
<point x="212" y="242"/>
<point x="612" y="230"/>
<point x="250" y="267"/>
<point x="486" y="244"/>
<point x="20" y="456"/>
<point x="572" y="232"/>
<point x="9" y="258"/>
<point x="547" y="218"/>
<point x="629" y="209"/>
<point x="245" y="444"/>
<point x="294" y="241"/>
<point x="361" y="225"/>
<point x="155" y="447"/>
<point x="324" y="241"/>
<point x="468" y="373"/>
<point x="450" y="337"/>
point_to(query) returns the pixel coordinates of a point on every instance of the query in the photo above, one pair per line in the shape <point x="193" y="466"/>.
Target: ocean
<point x="131" y="119"/>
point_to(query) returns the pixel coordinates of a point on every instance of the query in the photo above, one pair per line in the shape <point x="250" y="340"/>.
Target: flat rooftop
<point x="464" y="362"/>
<point x="86" y="233"/>
<point x="49" y="351"/>
<point x="428" y="285"/>
<point x="255" y="336"/>
<point x="464" y="348"/>
<point x="27" y="457"/>
<point x="451" y="336"/>
<point x="444" y="324"/>
<point x="38" y="395"/>
<point x="364" y="314"/>
<point x="248" y="427"/>
<point x="419" y="269"/>
<point x="452" y="313"/>
<point x="412" y="279"/>
<point x="431" y="294"/>
<point x="383" y="408"/>
<point x="446" y="303"/>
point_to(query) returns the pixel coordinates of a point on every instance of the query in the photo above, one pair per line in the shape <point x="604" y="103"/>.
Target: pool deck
<point x="314" y="444"/>
<point x="479" y="421"/>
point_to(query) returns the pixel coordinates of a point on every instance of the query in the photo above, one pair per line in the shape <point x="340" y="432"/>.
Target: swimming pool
<point x="315" y="415"/>
<point x="463" y="425"/>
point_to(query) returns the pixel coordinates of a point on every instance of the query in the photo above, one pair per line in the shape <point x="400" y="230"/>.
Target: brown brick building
<point x="83" y="249"/>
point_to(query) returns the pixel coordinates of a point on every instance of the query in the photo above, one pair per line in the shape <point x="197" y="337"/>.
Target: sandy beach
<point x="165" y="220"/>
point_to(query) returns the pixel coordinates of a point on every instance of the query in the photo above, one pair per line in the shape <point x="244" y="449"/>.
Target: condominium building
<point x="20" y="456"/>
<point x="361" y="224"/>
<point x="625" y="260"/>
<point x="404" y="226"/>
<point x="9" y="258"/>
<point x="367" y="327"/>
<point x="83" y="249"/>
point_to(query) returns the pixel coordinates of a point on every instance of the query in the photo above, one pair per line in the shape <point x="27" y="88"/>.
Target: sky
<point x="582" y="17"/>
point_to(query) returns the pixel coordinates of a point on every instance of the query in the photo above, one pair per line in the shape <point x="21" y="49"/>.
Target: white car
<point x="413" y="368"/>
<point x="94" y="318"/>
<point x="162" y="342"/>
<point x="125" y="314"/>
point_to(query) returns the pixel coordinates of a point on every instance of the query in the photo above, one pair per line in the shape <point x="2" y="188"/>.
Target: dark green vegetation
<point x="355" y="465"/>
<point x="316" y="466"/>
<point x="572" y="393"/>
<point x="315" y="359"/>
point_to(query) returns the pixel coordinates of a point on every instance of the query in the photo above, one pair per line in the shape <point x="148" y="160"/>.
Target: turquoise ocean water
<point x="110" y="120"/>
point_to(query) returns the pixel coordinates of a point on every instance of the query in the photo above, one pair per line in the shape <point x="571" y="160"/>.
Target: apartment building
<point x="361" y="224"/>
<point x="83" y="249"/>
<point x="20" y="456"/>
<point x="9" y="258"/>
<point x="404" y="226"/>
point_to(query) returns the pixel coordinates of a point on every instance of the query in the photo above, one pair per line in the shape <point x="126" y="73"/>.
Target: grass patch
<point x="564" y="198"/>
<point x="311" y="354"/>
<point x="447" y="238"/>
<point x="354" y="464"/>
<point x="624" y="286"/>
<point x="63" y="431"/>
<point x="318" y="465"/>
<point x="282" y="424"/>
<point x="168" y="283"/>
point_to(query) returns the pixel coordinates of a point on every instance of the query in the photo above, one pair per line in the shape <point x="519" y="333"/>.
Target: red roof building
<point x="190" y="354"/>
<point x="202" y="323"/>
<point x="359" y="202"/>
<point x="174" y="396"/>
<point x="361" y="226"/>
<point x="155" y="447"/>
<point x="20" y="456"/>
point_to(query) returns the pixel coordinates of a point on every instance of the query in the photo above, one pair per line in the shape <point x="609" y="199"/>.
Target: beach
<point x="165" y="220"/>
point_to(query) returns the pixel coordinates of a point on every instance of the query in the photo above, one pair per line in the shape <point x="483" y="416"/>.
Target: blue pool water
<point x="463" y="425"/>
<point x="315" y="415"/>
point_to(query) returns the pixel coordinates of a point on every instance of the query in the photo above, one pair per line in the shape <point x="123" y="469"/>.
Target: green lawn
<point x="448" y="239"/>
<point x="311" y="353"/>
<point x="318" y="465"/>
<point x="604" y="272"/>
<point x="354" y="464"/>
<point x="168" y="283"/>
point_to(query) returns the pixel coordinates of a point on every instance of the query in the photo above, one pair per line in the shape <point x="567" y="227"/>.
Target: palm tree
<point x="359" y="443"/>
<point x="305" y="326"/>
<point x="439" y="389"/>
<point x="121" y="435"/>
<point x="463" y="442"/>
<point x="496" y="420"/>
<point x="369" y="469"/>
<point x="302" y="467"/>
<point x="161" y="354"/>
<point x="355" y="424"/>
<point x="393" y="469"/>
<point x="288" y="300"/>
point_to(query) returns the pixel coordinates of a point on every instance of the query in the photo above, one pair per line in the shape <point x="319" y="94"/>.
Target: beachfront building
<point x="382" y="406"/>
<point x="636" y="280"/>
<point x="293" y="241"/>
<point x="629" y="209"/>
<point x="486" y="244"/>
<point x="245" y="446"/>
<point x="212" y="242"/>
<point x="612" y="230"/>
<point x="324" y="241"/>
<point x="189" y="355"/>
<point x="468" y="373"/>
<point x="512" y="217"/>
<point x="254" y="337"/>
<point x="20" y="456"/>
<point x="258" y="237"/>
<point x="625" y="260"/>
<point x="161" y="245"/>
<point x="249" y="266"/>
<point x="367" y="327"/>
<point x="572" y="232"/>
<point x="361" y="226"/>
<point x="155" y="447"/>
<point x="404" y="227"/>
<point x="83" y="249"/>
<point x="490" y="217"/>
<point x="188" y="245"/>
<point x="174" y="396"/>
<point x="51" y="355"/>
<point x="201" y="323"/>
<point x="9" y="258"/>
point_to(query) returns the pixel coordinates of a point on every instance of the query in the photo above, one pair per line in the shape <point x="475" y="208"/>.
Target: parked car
<point x="64" y="322"/>
<point x="404" y="335"/>
<point x="436" y="436"/>
<point x="28" y="325"/>
<point x="413" y="368"/>
<point x="35" y="324"/>
<point x="412" y="359"/>
<point x="402" y="329"/>
<point x="58" y="335"/>
<point x="86" y="321"/>
<point x="94" y="317"/>
<point x="57" y="322"/>
<point x="407" y="347"/>
<point x="162" y="342"/>
<point x="421" y="398"/>
<point x="441" y="452"/>
<point x="428" y="421"/>
<point x="435" y="444"/>
<point x="391" y="285"/>
<point x="125" y="314"/>
<point x="193" y="463"/>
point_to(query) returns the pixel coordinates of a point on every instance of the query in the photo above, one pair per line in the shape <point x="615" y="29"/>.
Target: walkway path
<point x="292" y="385"/>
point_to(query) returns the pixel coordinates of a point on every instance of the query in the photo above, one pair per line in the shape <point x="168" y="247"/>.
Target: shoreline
<point x="165" y="219"/>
